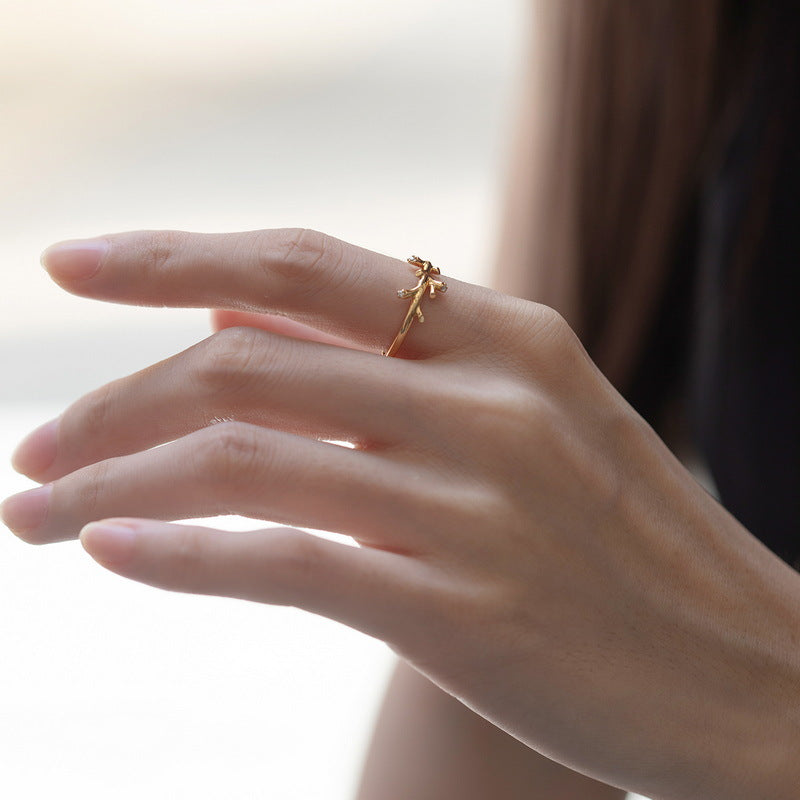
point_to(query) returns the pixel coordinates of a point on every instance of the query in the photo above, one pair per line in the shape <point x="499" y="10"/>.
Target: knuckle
<point x="558" y="337"/>
<point x="228" y="361"/>
<point x="489" y="505"/>
<point x="228" y="456"/>
<point x="159" y="250"/>
<point x="549" y="317"/>
<point x="186" y="560"/>
<point x="306" y="260"/>
<point x="515" y="417"/>
<point x="299" y="555"/>
<point x="551" y="350"/>
<point x="303" y="248"/>
<point x="502" y="410"/>
<point x="94" y="413"/>
<point x="552" y="327"/>
<point x="90" y="495"/>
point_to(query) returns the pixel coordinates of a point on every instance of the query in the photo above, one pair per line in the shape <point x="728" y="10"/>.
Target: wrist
<point x="771" y="676"/>
<point x="720" y="685"/>
<point x="751" y="743"/>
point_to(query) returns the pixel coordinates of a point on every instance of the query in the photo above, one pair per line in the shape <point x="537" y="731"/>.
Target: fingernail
<point x="25" y="512"/>
<point x="75" y="260"/>
<point x="108" y="541"/>
<point x="37" y="451"/>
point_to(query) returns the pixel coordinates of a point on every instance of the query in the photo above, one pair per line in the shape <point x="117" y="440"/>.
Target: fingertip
<point x="37" y="451"/>
<point x="222" y="318"/>
<point x="25" y="514"/>
<point x="75" y="260"/>
<point x="217" y="319"/>
<point x="110" y="541"/>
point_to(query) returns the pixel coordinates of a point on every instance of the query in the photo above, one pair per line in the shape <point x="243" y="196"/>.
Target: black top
<point x="744" y="401"/>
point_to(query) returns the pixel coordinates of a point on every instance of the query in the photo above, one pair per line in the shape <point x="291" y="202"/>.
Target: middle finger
<point x="246" y="374"/>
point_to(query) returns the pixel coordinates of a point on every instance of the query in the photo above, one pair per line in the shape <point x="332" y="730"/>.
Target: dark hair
<point x="635" y="104"/>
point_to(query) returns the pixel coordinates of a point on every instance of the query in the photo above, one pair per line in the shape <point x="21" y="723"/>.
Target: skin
<point x="456" y="753"/>
<point x="526" y="541"/>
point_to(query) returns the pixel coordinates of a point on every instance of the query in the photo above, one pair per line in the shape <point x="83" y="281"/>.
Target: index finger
<point x="317" y="279"/>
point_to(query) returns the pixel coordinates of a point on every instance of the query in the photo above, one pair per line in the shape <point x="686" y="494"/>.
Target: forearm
<point x="429" y="746"/>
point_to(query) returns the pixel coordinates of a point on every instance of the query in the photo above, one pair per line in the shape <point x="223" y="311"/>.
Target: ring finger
<point x="238" y="468"/>
<point x="245" y="374"/>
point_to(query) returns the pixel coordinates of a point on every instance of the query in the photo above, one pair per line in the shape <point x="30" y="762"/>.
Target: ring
<point x="425" y="272"/>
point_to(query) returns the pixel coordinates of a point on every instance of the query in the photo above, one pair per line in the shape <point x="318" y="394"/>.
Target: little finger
<point x="377" y="592"/>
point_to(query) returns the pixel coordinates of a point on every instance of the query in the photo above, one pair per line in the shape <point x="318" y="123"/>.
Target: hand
<point x="526" y="540"/>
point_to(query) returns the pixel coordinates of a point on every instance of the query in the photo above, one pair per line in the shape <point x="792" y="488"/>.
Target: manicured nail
<point x="75" y="260"/>
<point x="37" y="451"/>
<point x="108" y="541"/>
<point x="25" y="512"/>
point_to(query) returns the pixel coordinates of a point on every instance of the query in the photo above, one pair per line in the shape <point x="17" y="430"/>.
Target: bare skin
<point x="526" y="541"/>
<point x="455" y="752"/>
<point x="456" y="755"/>
<point x="429" y="746"/>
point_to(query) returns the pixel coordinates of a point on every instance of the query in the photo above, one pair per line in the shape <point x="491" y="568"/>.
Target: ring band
<point x="425" y="272"/>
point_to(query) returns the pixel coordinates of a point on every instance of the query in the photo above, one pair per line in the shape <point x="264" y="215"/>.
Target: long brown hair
<point x="628" y="104"/>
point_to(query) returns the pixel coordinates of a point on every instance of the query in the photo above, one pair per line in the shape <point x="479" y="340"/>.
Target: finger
<point x="328" y="284"/>
<point x="223" y="318"/>
<point x="237" y="468"/>
<point x="245" y="374"/>
<point x="372" y="590"/>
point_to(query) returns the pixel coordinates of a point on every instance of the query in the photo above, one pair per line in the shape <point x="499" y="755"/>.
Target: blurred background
<point x="382" y="123"/>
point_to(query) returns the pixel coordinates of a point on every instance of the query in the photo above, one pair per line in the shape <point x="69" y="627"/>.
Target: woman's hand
<point x="526" y="540"/>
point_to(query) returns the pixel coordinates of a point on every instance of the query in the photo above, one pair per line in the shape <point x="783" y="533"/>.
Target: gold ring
<point x="425" y="272"/>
